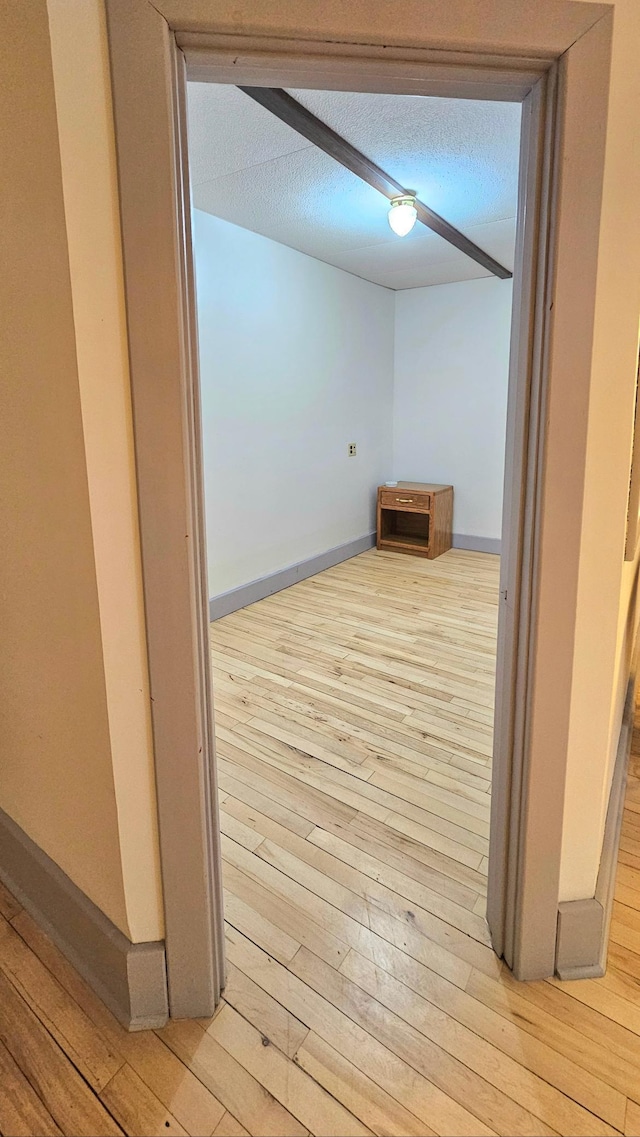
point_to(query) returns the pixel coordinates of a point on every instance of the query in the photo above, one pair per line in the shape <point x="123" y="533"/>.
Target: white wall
<point x="296" y="361"/>
<point x="450" y="395"/>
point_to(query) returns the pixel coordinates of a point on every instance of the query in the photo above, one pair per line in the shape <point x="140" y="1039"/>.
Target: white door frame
<point x="554" y="58"/>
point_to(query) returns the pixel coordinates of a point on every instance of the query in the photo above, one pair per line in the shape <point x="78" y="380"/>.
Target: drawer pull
<point x="404" y="500"/>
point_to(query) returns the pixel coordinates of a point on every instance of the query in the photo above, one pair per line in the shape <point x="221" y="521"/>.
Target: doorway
<point x="353" y="712"/>
<point x="523" y="896"/>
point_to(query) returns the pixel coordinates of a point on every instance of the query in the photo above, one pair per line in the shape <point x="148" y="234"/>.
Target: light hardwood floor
<point x="353" y="714"/>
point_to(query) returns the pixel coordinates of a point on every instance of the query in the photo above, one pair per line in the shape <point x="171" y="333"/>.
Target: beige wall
<point x="607" y="612"/>
<point x="56" y="775"/>
<point x="76" y="770"/>
<point x="87" y="150"/>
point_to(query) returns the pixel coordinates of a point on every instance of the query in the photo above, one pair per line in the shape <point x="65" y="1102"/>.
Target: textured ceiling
<point x="460" y="155"/>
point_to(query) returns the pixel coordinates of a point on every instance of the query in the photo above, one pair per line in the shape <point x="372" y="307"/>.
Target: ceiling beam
<point x="286" y="108"/>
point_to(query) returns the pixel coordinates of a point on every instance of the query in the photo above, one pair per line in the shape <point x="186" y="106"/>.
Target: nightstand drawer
<point x="405" y="499"/>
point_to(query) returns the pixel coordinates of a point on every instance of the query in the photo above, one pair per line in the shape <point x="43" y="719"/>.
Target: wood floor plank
<point x="235" y="829"/>
<point x="490" y="1062"/>
<point x="629" y="853"/>
<point x="612" y="1008"/>
<point x="229" y="1127"/>
<point x="384" y="837"/>
<point x="269" y="1017"/>
<point x="254" y="798"/>
<point x="629" y="875"/>
<point x="621" y="982"/>
<point x="574" y="1009"/>
<point x="362" y="788"/>
<point x="570" y="1039"/>
<point x="356" y="1043"/>
<point x="62" y="1017"/>
<point x="396" y="853"/>
<point x="242" y="1094"/>
<point x="308" y="802"/>
<point x="64" y="1094"/>
<point x="243" y="907"/>
<point x="624" y="914"/>
<point x="462" y="1087"/>
<point x="552" y="1052"/>
<point x="315" y="915"/>
<point x="22" y="1113"/>
<point x="381" y="733"/>
<point x="623" y="962"/>
<point x="335" y="783"/>
<point x="359" y="1093"/>
<point x="357" y="871"/>
<point x="448" y="926"/>
<point x="431" y="840"/>
<point x="194" y="1106"/>
<point x="302" y="922"/>
<point x="288" y="1083"/>
<point x="137" y="1110"/>
<point x="627" y="895"/>
<point x="632" y="1125"/>
<point x="409" y="789"/>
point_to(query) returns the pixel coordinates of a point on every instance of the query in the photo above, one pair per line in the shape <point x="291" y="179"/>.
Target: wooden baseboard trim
<point x="583" y="925"/>
<point x="130" y="978"/>
<point x="476" y="544"/>
<point x="255" y="590"/>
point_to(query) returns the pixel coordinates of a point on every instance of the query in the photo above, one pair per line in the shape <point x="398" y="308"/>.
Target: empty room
<point x="354" y="378"/>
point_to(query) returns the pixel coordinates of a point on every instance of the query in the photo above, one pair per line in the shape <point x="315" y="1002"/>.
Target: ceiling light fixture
<point x="403" y="214"/>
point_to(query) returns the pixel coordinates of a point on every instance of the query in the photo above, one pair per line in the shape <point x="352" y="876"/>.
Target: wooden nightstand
<point x="415" y="517"/>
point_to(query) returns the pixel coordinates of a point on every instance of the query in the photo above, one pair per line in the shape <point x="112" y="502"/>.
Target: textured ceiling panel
<point x="306" y="200"/>
<point x="461" y="156"/>
<point x="423" y="248"/>
<point x="229" y="133"/>
<point x="423" y="265"/>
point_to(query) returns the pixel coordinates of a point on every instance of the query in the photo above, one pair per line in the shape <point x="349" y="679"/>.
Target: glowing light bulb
<point x="403" y="214"/>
